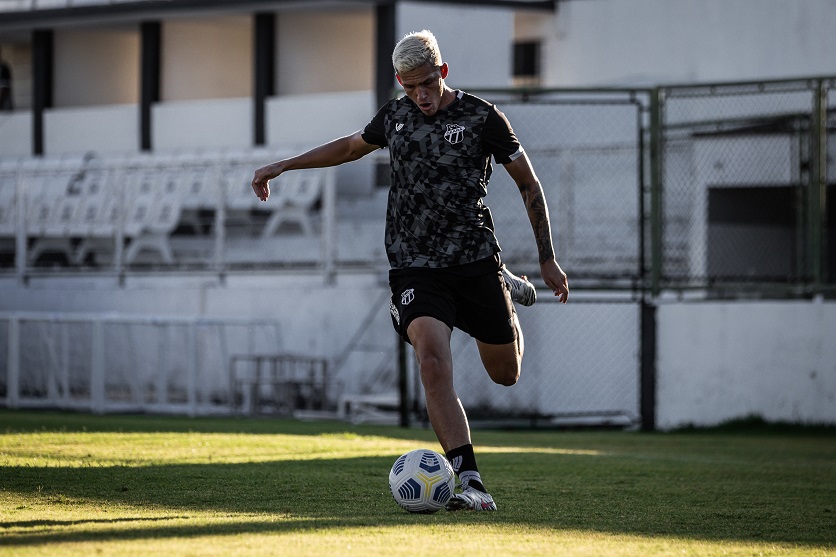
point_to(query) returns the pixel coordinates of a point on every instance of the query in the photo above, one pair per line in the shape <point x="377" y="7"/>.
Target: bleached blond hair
<point x="415" y="50"/>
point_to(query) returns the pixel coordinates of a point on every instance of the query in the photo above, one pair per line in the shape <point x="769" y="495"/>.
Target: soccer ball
<point x="422" y="481"/>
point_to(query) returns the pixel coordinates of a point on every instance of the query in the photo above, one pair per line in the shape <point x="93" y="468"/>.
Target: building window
<point x="527" y="63"/>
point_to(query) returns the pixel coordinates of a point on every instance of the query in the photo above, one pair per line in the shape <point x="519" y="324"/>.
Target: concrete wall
<point x="302" y="120"/>
<point x="604" y="42"/>
<point x="207" y="58"/>
<point x="651" y="41"/>
<point x="109" y="129"/>
<point x="325" y="52"/>
<point x="716" y="360"/>
<point x="475" y="42"/>
<point x="202" y="124"/>
<point x="96" y="67"/>
<point x="16" y="137"/>
<point x="724" y="360"/>
<point x="320" y="323"/>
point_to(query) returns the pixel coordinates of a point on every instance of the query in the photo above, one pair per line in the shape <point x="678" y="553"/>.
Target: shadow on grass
<point x="680" y="486"/>
<point x="568" y="492"/>
<point x="63" y="523"/>
<point x="166" y="532"/>
<point x="14" y="421"/>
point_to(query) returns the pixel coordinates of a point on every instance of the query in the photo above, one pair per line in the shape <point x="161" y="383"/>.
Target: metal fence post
<point x="656" y="179"/>
<point x="818" y="187"/>
<point x="647" y="380"/>
<point x="161" y="384"/>
<point x="191" y="378"/>
<point x="97" y="372"/>
<point x="329" y="226"/>
<point x="647" y="317"/>
<point x="20" y="229"/>
<point x="121" y="221"/>
<point x="13" y="364"/>
<point x="220" y="221"/>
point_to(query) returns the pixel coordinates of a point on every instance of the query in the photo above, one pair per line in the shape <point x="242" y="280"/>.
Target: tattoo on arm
<point x="538" y="214"/>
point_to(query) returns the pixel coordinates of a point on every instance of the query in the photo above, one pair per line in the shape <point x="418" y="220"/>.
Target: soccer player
<point x="445" y="266"/>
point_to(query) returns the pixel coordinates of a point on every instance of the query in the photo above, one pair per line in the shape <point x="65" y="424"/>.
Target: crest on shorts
<point x="454" y="133"/>
<point x="407" y="296"/>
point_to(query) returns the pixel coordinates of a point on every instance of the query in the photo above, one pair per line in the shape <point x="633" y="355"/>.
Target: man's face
<point x="425" y="86"/>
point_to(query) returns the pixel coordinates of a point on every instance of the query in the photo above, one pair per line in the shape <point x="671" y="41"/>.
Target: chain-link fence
<point x="723" y="188"/>
<point x="744" y="184"/>
<point x="581" y="364"/>
<point x="586" y="148"/>
<point x="582" y="360"/>
<point x="728" y="185"/>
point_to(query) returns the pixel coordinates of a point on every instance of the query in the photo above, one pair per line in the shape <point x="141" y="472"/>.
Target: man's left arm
<point x="523" y="175"/>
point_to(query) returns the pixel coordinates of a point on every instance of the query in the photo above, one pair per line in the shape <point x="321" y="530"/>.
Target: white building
<point x="138" y="75"/>
<point x="200" y="84"/>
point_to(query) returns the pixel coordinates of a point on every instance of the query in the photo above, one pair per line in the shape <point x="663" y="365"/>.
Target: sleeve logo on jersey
<point x="454" y="133"/>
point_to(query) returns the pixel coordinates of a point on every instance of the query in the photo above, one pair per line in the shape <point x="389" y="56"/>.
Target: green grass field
<point x="75" y="484"/>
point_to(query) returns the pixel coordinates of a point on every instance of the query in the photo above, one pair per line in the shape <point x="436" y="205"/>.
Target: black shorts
<point x="471" y="297"/>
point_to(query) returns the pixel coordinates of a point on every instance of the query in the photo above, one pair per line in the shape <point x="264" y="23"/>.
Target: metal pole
<point x="220" y="220"/>
<point x="191" y="379"/>
<point x="647" y="381"/>
<point x="648" y="325"/>
<point x="13" y="364"/>
<point x="20" y="229"/>
<point x="121" y="220"/>
<point x="656" y="177"/>
<point x="97" y="372"/>
<point x="818" y="187"/>
<point x="329" y="226"/>
<point x="642" y="217"/>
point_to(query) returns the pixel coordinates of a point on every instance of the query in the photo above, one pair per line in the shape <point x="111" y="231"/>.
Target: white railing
<point x="105" y="363"/>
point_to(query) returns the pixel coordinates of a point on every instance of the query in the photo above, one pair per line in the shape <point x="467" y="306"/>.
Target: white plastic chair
<point x="8" y="204"/>
<point x="296" y="198"/>
<point x="153" y="216"/>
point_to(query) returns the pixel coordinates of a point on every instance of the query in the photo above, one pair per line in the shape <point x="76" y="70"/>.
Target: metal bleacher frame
<point x="282" y="384"/>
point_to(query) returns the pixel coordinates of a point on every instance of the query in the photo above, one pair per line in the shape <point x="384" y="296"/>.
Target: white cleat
<point x="471" y="500"/>
<point x="522" y="291"/>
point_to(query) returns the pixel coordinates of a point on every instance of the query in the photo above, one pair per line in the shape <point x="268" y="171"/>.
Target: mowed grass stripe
<point x="73" y="484"/>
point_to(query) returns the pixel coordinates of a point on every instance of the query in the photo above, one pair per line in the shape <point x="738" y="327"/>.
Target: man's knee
<point x="506" y="374"/>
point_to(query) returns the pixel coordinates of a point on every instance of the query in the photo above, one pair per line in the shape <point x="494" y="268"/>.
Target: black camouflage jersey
<point x="441" y="165"/>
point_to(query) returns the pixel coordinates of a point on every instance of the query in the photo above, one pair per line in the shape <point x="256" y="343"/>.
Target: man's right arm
<point x="342" y="150"/>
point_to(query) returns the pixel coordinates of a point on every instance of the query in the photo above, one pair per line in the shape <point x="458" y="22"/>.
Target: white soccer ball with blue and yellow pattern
<point x="422" y="481"/>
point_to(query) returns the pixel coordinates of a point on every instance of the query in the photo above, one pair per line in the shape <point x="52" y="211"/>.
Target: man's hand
<point x="555" y="278"/>
<point x="261" y="180"/>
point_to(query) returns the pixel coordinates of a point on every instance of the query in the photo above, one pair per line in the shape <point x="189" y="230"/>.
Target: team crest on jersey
<point x="454" y="133"/>
<point x="407" y="296"/>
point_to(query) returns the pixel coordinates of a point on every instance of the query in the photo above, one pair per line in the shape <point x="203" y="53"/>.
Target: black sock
<point x="464" y="464"/>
